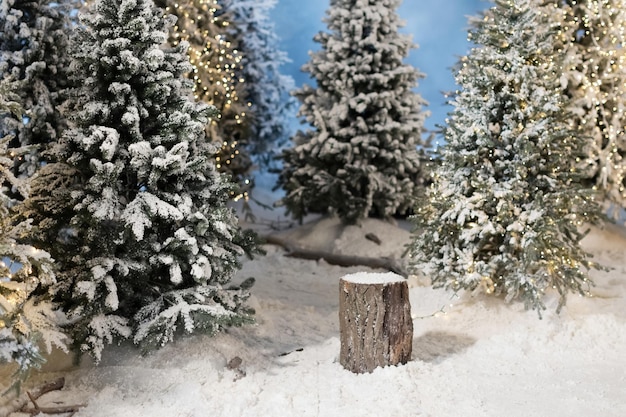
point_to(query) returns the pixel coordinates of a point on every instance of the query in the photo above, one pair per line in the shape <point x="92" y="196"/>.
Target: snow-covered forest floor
<point x="472" y="356"/>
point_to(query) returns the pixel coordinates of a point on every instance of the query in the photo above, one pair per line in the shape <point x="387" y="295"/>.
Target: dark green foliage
<point x="133" y="208"/>
<point x="33" y="49"/>
<point x="28" y="320"/>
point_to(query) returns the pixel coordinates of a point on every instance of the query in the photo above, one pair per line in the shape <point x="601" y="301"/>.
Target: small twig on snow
<point x="55" y="385"/>
<point x="441" y="310"/>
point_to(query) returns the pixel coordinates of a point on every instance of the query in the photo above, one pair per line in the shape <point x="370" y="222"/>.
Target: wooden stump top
<point x="370" y="278"/>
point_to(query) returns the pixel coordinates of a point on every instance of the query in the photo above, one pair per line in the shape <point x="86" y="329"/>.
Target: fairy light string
<point x="593" y="37"/>
<point x="216" y="64"/>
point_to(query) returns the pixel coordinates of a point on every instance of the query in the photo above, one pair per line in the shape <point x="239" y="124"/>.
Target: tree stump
<point x="374" y="321"/>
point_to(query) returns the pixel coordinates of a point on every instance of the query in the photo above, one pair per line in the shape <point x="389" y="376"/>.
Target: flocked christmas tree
<point x="216" y="62"/>
<point x="593" y="39"/>
<point x="33" y="48"/>
<point x="268" y="89"/>
<point x="133" y="205"/>
<point x="29" y="322"/>
<point x="506" y="209"/>
<point x="359" y="157"/>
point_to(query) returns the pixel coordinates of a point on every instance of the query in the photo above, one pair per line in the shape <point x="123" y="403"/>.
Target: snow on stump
<point x="374" y="321"/>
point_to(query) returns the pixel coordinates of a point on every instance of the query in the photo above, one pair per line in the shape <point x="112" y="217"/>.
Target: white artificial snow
<point x="472" y="355"/>
<point x="138" y="212"/>
<point x="43" y="319"/>
<point x="373" y="278"/>
<point x="108" y="139"/>
<point x="201" y="269"/>
<point x="131" y="117"/>
<point x="111" y="300"/>
<point x="88" y="288"/>
<point x="176" y="275"/>
<point x="154" y="58"/>
<point x="135" y="216"/>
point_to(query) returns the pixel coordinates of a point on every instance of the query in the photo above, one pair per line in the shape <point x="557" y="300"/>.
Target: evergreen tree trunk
<point x="375" y="321"/>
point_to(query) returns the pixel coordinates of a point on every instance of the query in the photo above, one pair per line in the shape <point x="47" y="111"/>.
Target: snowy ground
<point x="471" y="356"/>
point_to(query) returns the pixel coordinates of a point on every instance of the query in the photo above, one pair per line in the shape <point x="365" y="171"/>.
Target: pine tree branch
<point x="295" y="251"/>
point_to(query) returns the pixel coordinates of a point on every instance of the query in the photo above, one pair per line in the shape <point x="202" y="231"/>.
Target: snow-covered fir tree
<point x="593" y="39"/>
<point x="359" y="158"/>
<point x="268" y="89"/>
<point x="33" y="48"/>
<point x="133" y="209"/>
<point x="506" y="209"/>
<point x="29" y="322"/>
<point x="216" y="64"/>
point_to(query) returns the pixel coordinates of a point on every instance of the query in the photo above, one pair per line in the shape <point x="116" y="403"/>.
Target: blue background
<point x="439" y="27"/>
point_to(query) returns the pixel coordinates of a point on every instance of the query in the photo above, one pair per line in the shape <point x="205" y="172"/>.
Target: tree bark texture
<point x="375" y="322"/>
